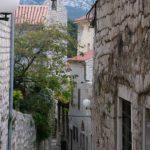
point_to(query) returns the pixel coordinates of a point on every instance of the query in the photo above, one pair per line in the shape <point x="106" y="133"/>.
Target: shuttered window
<point x="79" y="98"/>
<point x="147" y="129"/>
<point x="126" y="126"/>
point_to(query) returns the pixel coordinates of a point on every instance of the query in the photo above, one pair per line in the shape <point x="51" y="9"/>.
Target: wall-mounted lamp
<point x="54" y="4"/>
<point x="7" y="7"/>
<point x="87" y="103"/>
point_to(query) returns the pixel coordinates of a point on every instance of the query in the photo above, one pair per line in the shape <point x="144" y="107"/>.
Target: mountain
<point x="37" y="2"/>
<point x="73" y="12"/>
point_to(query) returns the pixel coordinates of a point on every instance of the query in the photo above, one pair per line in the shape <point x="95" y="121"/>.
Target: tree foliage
<point x="18" y="97"/>
<point x="72" y="31"/>
<point x="40" y="104"/>
<point x="40" y="72"/>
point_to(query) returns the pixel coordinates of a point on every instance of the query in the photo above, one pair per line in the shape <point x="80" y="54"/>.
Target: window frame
<point x="145" y="109"/>
<point x="126" y="125"/>
<point x="79" y="98"/>
<point x="120" y="123"/>
<point x="54" y="3"/>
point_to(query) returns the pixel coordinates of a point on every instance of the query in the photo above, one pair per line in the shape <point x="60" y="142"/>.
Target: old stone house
<point x="79" y="116"/>
<point x="85" y="34"/>
<point x="121" y="108"/>
<point x="82" y="69"/>
<point x="45" y="14"/>
<point x="57" y="14"/>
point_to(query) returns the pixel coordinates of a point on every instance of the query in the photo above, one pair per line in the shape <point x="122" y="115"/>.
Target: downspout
<point x="11" y="83"/>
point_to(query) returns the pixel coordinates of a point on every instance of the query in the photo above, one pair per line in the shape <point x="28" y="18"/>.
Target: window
<point x="54" y="5"/>
<point x="72" y="94"/>
<point x="88" y="28"/>
<point x="82" y="137"/>
<point x="74" y="133"/>
<point x="82" y="126"/>
<point x="88" y="46"/>
<point x="126" y="126"/>
<point x="59" y="117"/>
<point x="79" y="97"/>
<point x="85" y="69"/>
<point x="147" y="129"/>
<point x="82" y="141"/>
<point x="71" y="142"/>
<point x="77" y="134"/>
<point x="87" y="145"/>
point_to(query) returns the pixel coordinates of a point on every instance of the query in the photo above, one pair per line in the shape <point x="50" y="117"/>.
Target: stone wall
<point x="58" y="16"/>
<point x="4" y="81"/>
<point x="23" y="132"/>
<point x="121" y="69"/>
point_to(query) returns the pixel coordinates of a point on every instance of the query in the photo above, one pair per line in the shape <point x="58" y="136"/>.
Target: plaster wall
<point x="77" y="116"/>
<point x="85" y="37"/>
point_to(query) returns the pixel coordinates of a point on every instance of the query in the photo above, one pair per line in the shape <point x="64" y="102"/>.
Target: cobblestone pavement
<point x="54" y="146"/>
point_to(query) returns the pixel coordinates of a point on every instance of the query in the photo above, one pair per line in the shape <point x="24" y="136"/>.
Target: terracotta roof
<point x="82" y="19"/>
<point x="33" y="14"/>
<point x="86" y="56"/>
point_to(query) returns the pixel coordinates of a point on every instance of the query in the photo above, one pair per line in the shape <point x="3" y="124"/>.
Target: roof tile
<point x="86" y="56"/>
<point x="32" y="14"/>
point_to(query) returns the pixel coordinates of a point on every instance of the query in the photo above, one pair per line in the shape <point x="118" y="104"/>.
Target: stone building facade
<point x="85" y="34"/>
<point x="81" y="67"/>
<point x="57" y="15"/>
<point x="80" y="117"/>
<point x="45" y="14"/>
<point x="121" y="108"/>
<point x="4" y="82"/>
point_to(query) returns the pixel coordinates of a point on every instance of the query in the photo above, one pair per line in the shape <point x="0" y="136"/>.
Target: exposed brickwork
<point x="122" y="47"/>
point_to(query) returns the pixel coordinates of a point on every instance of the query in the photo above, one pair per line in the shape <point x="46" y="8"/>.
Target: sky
<point x="84" y="4"/>
<point x="80" y="3"/>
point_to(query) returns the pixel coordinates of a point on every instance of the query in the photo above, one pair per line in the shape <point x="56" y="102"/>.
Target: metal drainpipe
<point x="11" y="83"/>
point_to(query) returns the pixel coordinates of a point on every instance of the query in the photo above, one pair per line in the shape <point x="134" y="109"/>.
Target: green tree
<point x="72" y="31"/>
<point x="40" y="104"/>
<point x="18" y="97"/>
<point x="40" y="72"/>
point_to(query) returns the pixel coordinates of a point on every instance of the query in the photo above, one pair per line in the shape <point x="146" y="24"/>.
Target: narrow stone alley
<point x="75" y="75"/>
